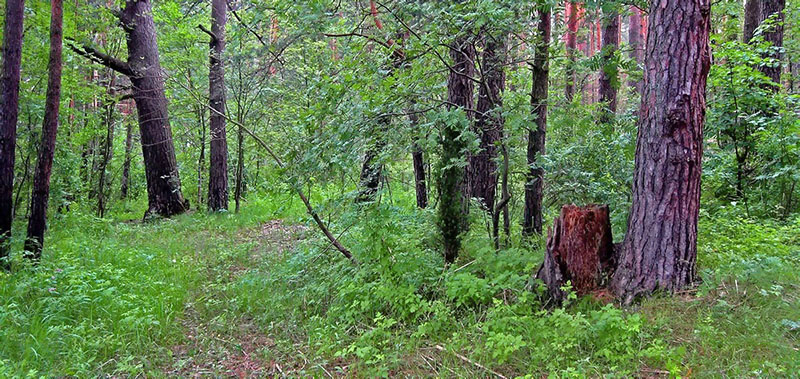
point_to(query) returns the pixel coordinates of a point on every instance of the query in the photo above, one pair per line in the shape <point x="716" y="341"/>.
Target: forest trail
<point x="220" y="341"/>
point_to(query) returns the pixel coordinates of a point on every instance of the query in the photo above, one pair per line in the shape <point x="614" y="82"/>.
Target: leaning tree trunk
<point x="608" y="76"/>
<point x="752" y="17"/>
<point x="161" y="167"/>
<point x="453" y="205"/>
<point x="660" y="248"/>
<point x="774" y="35"/>
<point x="635" y="43"/>
<point x="41" y="179"/>
<point x="482" y="166"/>
<point x="9" y="100"/>
<point x="144" y="70"/>
<point x="540" y="69"/>
<point x="579" y="251"/>
<point x="218" y="167"/>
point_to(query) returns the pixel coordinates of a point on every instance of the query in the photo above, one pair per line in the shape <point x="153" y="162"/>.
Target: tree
<point x="773" y="9"/>
<point x="126" y="164"/>
<point x="660" y="248"/>
<point x="482" y="166"/>
<point x="608" y="74"/>
<point x="752" y="17"/>
<point x="453" y="205"/>
<point x="218" y="168"/>
<point x="144" y="70"/>
<point x="41" y="179"/>
<point x="635" y="39"/>
<point x="532" y="216"/>
<point x="572" y="35"/>
<point x="9" y="101"/>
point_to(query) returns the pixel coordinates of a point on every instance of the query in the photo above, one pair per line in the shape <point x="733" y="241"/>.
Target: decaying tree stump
<point x="579" y="250"/>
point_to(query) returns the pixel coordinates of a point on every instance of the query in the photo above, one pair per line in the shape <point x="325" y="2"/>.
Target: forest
<point x="400" y="188"/>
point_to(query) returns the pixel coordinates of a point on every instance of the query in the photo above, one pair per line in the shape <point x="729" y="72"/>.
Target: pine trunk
<point x="482" y="166"/>
<point x="9" y="101"/>
<point x="636" y="43"/>
<point x="752" y="17"/>
<point x="660" y="249"/>
<point x="774" y="35"/>
<point x="532" y="216"/>
<point x="608" y="75"/>
<point x="41" y="179"/>
<point x="163" y="181"/>
<point x="218" y="168"/>
<point x="572" y="35"/>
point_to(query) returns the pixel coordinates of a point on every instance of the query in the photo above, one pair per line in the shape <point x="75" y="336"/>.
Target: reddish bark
<point x="41" y="179"/>
<point x="540" y="69"/>
<point x="608" y="73"/>
<point x="218" y="163"/>
<point x="9" y="101"/>
<point x="660" y="248"/>
<point x="572" y="33"/>
<point x="636" y="43"/>
<point x="579" y="250"/>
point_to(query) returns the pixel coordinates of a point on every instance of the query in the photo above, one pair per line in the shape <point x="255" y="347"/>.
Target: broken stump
<point x="579" y="250"/>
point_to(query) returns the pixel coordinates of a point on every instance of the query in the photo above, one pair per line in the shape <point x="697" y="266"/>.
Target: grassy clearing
<point x="213" y="294"/>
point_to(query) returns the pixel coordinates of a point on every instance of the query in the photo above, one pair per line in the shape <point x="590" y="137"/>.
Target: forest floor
<point x="260" y="294"/>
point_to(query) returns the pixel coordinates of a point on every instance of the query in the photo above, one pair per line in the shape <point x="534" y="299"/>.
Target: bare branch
<point x="101" y="58"/>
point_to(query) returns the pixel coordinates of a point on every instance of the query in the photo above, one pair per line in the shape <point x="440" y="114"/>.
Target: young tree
<point x="144" y="70"/>
<point x="218" y="168"/>
<point x="660" y="247"/>
<point x="608" y="74"/>
<point x="532" y="216"/>
<point x="9" y="101"/>
<point x="126" y="164"/>
<point x="41" y="179"/>
<point x="571" y="44"/>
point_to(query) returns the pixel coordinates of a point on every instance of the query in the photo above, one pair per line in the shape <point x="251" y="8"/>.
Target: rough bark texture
<point x="572" y="35"/>
<point x="774" y="35"/>
<point x="453" y="205"/>
<point x="41" y="179"/>
<point x="636" y="43"/>
<point x="609" y="73"/>
<point x="579" y="250"/>
<point x="482" y="166"/>
<point x="218" y="167"/>
<point x="9" y="100"/>
<point x="126" y="165"/>
<point x="660" y="248"/>
<point x="107" y="149"/>
<point x="540" y="69"/>
<point x="144" y="69"/>
<point x="752" y="17"/>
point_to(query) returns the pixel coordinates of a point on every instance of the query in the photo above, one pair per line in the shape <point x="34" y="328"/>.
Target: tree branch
<point x="99" y="57"/>
<point x="203" y="28"/>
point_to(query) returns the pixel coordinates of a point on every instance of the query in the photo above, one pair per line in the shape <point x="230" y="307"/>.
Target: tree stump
<point x="579" y="250"/>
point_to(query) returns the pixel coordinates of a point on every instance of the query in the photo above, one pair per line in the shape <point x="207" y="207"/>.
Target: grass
<point x="212" y="294"/>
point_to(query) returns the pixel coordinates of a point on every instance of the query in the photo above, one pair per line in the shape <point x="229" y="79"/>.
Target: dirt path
<point x="220" y="342"/>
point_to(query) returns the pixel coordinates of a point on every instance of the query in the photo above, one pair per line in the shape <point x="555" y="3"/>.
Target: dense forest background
<point x="350" y="104"/>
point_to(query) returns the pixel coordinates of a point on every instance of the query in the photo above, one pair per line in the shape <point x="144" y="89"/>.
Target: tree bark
<point x="418" y="158"/>
<point x="239" y="191"/>
<point x="540" y="69"/>
<point x="41" y="179"/>
<point x="774" y="35"/>
<point x="572" y="34"/>
<point x="9" y="101"/>
<point x="453" y="204"/>
<point x="660" y="249"/>
<point x="579" y="250"/>
<point x="609" y="74"/>
<point x="635" y="43"/>
<point x="218" y="168"/>
<point x="126" y="165"/>
<point x="482" y="166"/>
<point x="752" y="17"/>
<point x="107" y="150"/>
